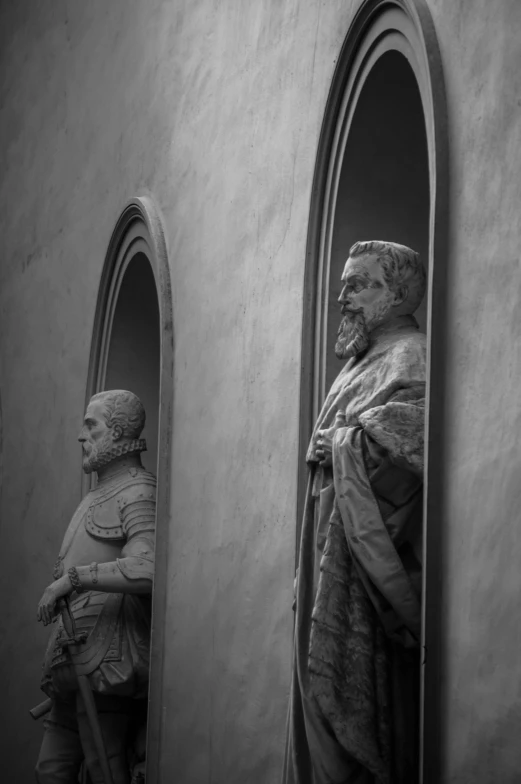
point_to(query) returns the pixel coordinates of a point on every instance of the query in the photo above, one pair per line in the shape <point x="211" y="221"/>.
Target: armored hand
<point x="47" y="607"/>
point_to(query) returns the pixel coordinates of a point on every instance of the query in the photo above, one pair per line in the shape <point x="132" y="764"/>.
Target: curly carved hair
<point x="125" y="409"/>
<point x="400" y="265"/>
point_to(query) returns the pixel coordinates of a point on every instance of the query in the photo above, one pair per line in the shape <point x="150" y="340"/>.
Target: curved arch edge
<point x="417" y="13"/>
<point x="142" y="215"/>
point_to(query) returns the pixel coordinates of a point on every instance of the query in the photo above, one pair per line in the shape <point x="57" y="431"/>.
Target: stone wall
<point x="215" y="110"/>
<point x="481" y="50"/>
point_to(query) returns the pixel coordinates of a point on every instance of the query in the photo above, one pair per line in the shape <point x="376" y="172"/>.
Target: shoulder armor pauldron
<point x="103" y="518"/>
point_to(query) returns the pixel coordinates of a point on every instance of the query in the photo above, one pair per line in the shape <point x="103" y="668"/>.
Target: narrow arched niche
<point x="382" y="172"/>
<point x="132" y="348"/>
<point x="133" y="360"/>
<point x="383" y="189"/>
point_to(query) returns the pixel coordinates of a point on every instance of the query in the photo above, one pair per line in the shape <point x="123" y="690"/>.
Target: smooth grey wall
<point x="215" y="109"/>
<point x="481" y="580"/>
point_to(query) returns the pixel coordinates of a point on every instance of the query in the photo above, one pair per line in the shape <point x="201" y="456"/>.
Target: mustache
<point x="345" y="310"/>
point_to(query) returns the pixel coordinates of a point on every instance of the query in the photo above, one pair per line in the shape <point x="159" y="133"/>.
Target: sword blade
<point x="87" y="696"/>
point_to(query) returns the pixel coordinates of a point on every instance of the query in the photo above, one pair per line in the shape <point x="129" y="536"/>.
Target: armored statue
<point x="104" y="572"/>
<point x="355" y="689"/>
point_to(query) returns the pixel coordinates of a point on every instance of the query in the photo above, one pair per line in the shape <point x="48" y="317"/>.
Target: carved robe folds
<point x="354" y="702"/>
<point x="114" y="522"/>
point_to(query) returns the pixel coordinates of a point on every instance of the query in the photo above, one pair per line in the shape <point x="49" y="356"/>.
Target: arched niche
<point x="132" y="348"/>
<point x="382" y="173"/>
<point x="383" y="185"/>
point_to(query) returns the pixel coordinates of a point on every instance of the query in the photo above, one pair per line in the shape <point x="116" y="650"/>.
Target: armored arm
<point x="138" y="519"/>
<point x="133" y="572"/>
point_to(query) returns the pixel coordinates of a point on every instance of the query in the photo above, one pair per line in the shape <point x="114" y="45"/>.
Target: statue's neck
<point x="118" y="465"/>
<point x="395" y="324"/>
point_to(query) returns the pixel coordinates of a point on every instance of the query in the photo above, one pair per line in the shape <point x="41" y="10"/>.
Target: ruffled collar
<point x="135" y="446"/>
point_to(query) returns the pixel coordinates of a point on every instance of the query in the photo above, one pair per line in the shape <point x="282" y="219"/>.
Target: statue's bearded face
<point x="366" y="302"/>
<point x="95" y="437"/>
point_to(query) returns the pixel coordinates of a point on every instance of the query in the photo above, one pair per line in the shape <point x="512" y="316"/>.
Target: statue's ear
<point x="400" y="295"/>
<point x="117" y="432"/>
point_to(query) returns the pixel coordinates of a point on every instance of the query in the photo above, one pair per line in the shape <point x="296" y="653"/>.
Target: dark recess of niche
<point x="384" y="183"/>
<point x="134" y="352"/>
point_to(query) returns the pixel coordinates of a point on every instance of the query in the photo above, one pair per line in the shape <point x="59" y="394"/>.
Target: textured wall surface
<point x="481" y="50"/>
<point x="133" y="360"/>
<point x="215" y="109"/>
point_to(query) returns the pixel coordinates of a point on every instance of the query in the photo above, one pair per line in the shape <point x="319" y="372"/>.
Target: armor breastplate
<point x="103" y="519"/>
<point x="114" y="512"/>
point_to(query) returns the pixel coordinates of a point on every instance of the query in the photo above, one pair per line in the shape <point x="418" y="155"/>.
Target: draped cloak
<point x="354" y="697"/>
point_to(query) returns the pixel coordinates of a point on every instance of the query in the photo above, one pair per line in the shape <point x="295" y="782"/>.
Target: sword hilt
<point x="40" y="710"/>
<point x="68" y="619"/>
<point x="74" y="637"/>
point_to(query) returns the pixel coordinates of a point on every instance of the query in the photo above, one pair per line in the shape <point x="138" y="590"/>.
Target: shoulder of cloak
<point x="401" y="359"/>
<point x="396" y="361"/>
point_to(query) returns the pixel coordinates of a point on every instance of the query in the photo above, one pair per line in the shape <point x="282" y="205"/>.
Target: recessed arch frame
<point x="1" y="449"/>
<point x="378" y="27"/>
<point x="139" y="230"/>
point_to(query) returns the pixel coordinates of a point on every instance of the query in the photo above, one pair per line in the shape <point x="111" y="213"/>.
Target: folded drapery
<point x="355" y="690"/>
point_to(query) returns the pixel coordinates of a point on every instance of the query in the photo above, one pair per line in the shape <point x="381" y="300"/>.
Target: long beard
<point x="98" y="456"/>
<point x="352" y="336"/>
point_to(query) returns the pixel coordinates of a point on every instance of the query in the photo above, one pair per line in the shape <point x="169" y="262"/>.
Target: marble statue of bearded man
<point x="355" y="691"/>
<point x="105" y="567"/>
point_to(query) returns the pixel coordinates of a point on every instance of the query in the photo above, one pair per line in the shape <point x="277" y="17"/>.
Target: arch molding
<point x="381" y="26"/>
<point x="139" y="230"/>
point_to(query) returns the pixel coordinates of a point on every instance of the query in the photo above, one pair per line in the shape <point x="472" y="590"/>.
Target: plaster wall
<point x="215" y="109"/>
<point x="480" y="576"/>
